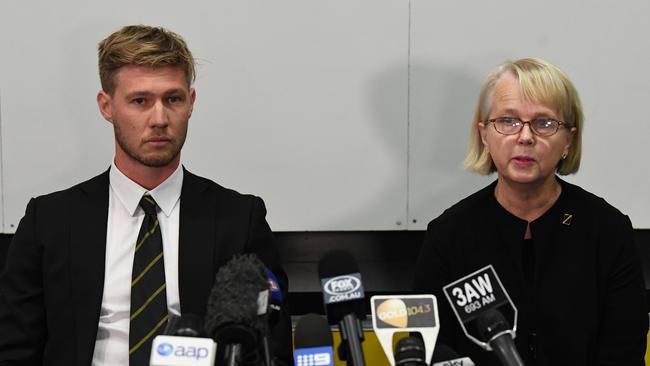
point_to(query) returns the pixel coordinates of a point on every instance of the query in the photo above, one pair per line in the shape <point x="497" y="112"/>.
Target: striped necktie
<point x="148" y="295"/>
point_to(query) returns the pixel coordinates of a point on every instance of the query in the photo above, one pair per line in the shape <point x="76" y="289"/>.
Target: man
<point x="94" y="271"/>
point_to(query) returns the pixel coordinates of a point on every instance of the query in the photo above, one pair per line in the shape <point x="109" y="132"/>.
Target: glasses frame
<point x="522" y="123"/>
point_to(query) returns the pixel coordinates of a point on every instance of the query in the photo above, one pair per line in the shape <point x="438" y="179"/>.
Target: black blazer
<point x="586" y="302"/>
<point x="51" y="288"/>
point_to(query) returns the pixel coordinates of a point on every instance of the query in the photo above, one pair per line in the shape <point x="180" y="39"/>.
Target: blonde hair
<point x="145" y="46"/>
<point x="541" y="82"/>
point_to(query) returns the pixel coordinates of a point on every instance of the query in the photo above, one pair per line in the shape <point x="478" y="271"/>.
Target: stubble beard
<point x="157" y="159"/>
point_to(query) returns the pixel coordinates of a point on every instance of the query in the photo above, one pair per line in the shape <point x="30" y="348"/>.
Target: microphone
<point x="186" y="325"/>
<point x="183" y="344"/>
<point x="409" y="351"/>
<point x="272" y="313"/>
<point x="238" y="298"/>
<point x="494" y="328"/>
<point x="275" y="298"/>
<point x="313" y="342"/>
<point x="405" y="313"/>
<point x="446" y="356"/>
<point x="476" y="300"/>
<point x="343" y="297"/>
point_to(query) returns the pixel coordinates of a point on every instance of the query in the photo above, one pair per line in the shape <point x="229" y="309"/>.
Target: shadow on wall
<point x="425" y="128"/>
<point x="443" y="99"/>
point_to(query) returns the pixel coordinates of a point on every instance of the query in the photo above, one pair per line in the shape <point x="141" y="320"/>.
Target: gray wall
<point x="342" y="115"/>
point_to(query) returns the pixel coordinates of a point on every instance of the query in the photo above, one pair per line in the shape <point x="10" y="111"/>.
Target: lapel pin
<point x="566" y="220"/>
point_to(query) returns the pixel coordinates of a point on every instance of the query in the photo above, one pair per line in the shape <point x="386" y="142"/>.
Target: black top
<point x="577" y="283"/>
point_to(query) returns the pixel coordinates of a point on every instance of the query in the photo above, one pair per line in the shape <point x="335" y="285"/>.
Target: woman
<point x="565" y="256"/>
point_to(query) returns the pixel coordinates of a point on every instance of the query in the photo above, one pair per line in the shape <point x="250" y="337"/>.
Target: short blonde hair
<point x="541" y="82"/>
<point x="145" y="46"/>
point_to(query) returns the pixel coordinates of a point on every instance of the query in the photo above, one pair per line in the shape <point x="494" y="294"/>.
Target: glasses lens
<point x="507" y="126"/>
<point x="545" y="126"/>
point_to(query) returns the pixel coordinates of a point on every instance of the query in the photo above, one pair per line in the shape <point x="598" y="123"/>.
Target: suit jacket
<point x="586" y="302"/>
<point x="52" y="286"/>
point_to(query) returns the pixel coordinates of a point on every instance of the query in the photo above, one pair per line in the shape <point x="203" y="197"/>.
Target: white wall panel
<point x="301" y="102"/>
<point x="603" y="48"/>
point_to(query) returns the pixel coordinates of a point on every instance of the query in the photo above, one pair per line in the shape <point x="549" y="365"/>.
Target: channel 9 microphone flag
<point x="475" y="296"/>
<point x="313" y="342"/>
<point x="405" y="313"/>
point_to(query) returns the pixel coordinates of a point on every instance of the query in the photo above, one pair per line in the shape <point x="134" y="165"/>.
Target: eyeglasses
<point x="540" y="126"/>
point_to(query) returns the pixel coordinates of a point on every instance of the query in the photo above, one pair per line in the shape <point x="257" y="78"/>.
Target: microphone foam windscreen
<point x="233" y="298"/>
<point x="336" y="263"/>
<point x="312" y="330"/>
<point x="187" y="325"/>
<point x="491" y="323"/>
<point x="410" y="351"/>
<point x="340" y="263"/>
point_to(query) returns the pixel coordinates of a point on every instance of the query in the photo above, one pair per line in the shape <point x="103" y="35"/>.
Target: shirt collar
<point x="166" y="194"/>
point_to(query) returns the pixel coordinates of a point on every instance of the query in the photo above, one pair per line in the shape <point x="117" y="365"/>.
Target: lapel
<point x="196" y="241"/>
<point x="89" y="216"/>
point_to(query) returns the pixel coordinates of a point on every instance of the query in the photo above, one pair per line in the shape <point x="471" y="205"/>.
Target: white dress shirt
<point x="124" y="219"/>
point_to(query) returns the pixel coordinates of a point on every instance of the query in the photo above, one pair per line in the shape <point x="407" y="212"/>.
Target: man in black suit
<point x="66" y="291"/>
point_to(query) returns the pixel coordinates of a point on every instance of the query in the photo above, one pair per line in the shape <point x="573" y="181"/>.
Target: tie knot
<point x="148" y="205"/>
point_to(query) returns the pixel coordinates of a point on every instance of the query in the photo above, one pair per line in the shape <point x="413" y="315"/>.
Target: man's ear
<point x="104" y="104"/>
<point x="192" y="99"/>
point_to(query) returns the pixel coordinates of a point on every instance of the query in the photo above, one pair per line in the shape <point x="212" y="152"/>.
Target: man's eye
<point x="175" y="99"/>
<point x="138" y="101"/>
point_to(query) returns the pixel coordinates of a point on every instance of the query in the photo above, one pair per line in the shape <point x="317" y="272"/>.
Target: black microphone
<point x="238" y="298"/>
<point x="344" y="302"/>
<point x="495" y="330"/>
<point x="183" y="343"/>
<point x="272" y="314"/>
<point x="186" y="325"/>
<point x="313" y="342"/>
<point x="409" y="351"/>
<point x="275" y="298"/>
<point x="416" y="314"/>
<point x="475" y="300"/>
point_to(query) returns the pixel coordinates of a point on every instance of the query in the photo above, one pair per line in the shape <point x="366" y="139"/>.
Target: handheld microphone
<point x="186" y="325"/>
<point x="272" y="314"/>
<point x="235" y="303"/>
<point x="183" y="344"/>
<point x="313" y="342"/>
<point x="343" y="297"/>
<point x="446" y="356"/>
<point x="275" y="298"/>
<point x="405" y="313"/>
<point x="476" y="300"/>
<point x="495" y="330"/>
<point x="409" y="351"/>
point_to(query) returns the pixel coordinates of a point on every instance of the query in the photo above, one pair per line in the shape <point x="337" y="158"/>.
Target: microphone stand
<point x="233" y="354"/>
<point x="266" y="351"/>
<point x="352" y="335"/>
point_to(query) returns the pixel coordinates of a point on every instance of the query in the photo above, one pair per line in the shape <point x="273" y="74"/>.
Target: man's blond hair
<point x="143" y="46"/>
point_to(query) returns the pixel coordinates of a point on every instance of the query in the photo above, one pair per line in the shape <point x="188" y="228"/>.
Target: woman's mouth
<point x="523" y="160"/>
